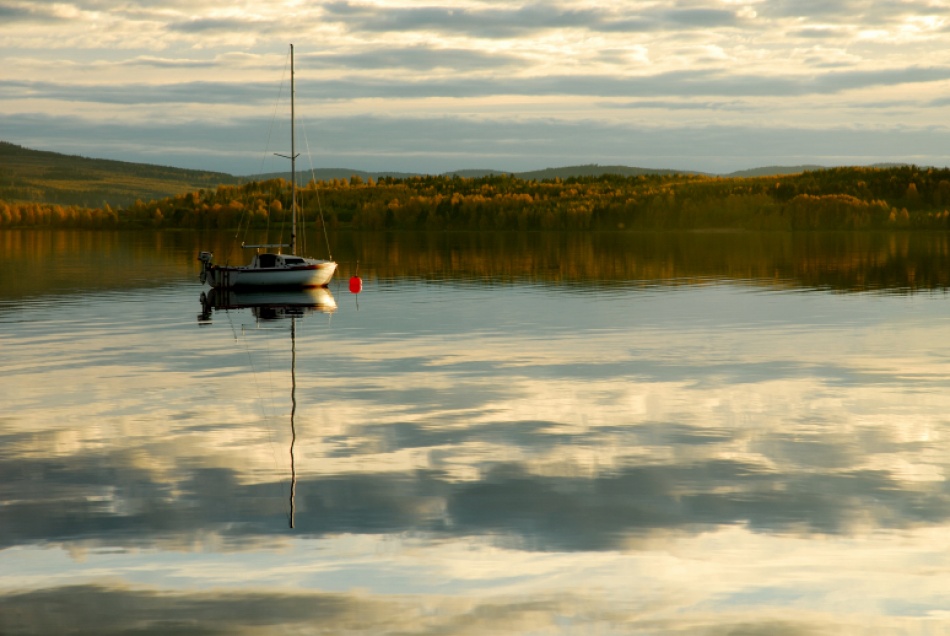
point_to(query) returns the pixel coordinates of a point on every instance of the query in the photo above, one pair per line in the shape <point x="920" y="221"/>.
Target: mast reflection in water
<point x="269" y="306"/>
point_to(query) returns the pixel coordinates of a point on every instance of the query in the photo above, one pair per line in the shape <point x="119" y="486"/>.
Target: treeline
<point x="832" y="199"/>
<point x="56" y="215"/>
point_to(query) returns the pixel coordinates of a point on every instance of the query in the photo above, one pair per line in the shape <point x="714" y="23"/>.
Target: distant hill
<point x="327" y="174"/>
<point x="767" y="171"/>
<point x="36" y="175"/>
<point x="589" y="170"/>
<point x="595" y="170"/>
<point x="50" y="177"/>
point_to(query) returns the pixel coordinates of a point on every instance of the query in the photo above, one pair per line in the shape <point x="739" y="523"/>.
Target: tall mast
<point x="293" y="162"/>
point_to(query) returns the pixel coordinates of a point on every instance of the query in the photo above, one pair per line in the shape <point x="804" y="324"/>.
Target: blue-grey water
<point x="650" y="435"/>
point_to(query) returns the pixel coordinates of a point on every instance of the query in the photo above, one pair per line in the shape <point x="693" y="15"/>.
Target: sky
<point x="420" y="86"/>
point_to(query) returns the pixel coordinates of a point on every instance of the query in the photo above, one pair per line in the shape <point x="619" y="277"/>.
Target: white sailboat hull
<point x="313" y="273"/>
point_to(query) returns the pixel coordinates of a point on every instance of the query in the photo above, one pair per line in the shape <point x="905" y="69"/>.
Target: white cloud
<point x="792" y="64"/>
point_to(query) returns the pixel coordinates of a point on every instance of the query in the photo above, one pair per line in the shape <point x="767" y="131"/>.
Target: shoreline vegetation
<point x="847" y="198"/>
<point x="885" y="261"/>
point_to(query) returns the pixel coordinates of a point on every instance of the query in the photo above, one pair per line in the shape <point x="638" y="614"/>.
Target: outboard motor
<point x="205" y="258"/>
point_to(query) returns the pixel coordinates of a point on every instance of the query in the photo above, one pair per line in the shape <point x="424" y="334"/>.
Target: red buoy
<point x="356" y="285"/>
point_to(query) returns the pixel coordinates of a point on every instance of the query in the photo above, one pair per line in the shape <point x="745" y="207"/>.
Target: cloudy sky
<point x="433" y="86"/>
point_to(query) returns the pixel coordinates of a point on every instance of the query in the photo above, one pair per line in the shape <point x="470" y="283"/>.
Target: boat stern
<point x="206" y="259"/>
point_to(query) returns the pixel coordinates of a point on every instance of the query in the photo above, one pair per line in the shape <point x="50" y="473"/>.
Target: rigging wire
<point x="316" y="190"/>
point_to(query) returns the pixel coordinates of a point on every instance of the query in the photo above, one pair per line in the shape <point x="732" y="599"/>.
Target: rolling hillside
<point x="49" y="177"/>
<point x="39" y="176"/>
<point x="589" y="170"/>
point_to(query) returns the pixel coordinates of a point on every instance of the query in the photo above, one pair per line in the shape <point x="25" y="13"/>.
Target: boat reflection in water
<point x="271" y="306"/>
<point x="267" y="305"/>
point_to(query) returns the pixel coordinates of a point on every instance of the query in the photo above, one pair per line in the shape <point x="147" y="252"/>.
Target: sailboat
<point x="273" y="270"/>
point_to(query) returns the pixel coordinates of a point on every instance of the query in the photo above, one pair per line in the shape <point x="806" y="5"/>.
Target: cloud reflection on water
<point x="712" y="582"/>
<point x="701" y="456"/>
<point x="625" y="441"/>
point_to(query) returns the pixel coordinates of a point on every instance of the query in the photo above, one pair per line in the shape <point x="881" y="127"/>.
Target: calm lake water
<point x="517" y="434"/>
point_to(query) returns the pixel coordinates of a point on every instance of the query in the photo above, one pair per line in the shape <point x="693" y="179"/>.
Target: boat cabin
<point x="276" y="261"/>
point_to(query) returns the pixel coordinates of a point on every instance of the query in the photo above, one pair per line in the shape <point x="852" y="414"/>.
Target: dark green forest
<point x="829" y="199"/>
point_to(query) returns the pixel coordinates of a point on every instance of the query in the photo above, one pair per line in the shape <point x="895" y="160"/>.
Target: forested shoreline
<point x="905" y="197"/>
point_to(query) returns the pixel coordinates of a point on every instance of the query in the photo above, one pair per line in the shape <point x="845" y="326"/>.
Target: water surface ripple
<point x="654" y="447"/>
